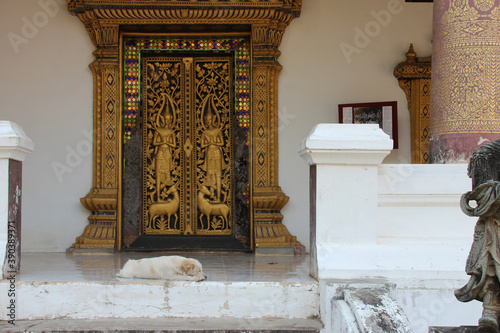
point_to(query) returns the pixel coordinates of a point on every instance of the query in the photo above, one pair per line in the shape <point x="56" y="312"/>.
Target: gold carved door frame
<point x="414" y="77"/>
<point x="264" y="21"/>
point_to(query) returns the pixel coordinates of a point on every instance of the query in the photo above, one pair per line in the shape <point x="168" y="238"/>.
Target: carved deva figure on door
<point x="163" y="208"/>
<point x="164" y="141"/>
<point x="211" y="143"/>
<point x="214" y="151"/>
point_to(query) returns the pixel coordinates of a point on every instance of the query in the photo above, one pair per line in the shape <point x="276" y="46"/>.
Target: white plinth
<point x="346" y="159"/>
<point x="14" y="145"/>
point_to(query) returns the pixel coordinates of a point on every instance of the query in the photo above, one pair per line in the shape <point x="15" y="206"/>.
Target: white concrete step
<point x="163" y="325"/>
<point x="156" y="299"/>
<point x="85" y="286"/>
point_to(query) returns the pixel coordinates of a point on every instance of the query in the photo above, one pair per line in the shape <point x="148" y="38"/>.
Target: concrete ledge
<point x="166" y="325"/>
<point x="14" y="143"/>
<point x="153" y="299"/>
<point x="418" y="200"/>
<point x="392" y="260"/>
<point x="346" y="144"/>
<point x="461" y="329"/>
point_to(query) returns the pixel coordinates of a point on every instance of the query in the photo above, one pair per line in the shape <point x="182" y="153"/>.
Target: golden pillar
<point x="465" y="97"/>
<point x="102" y="198"/>
<point x="268" y="199"/>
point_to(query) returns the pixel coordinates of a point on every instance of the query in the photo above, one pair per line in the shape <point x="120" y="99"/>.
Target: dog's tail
<point x="120" y="274"/>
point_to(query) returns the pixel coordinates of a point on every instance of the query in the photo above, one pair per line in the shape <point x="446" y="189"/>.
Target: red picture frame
<point x="385" y="114"/>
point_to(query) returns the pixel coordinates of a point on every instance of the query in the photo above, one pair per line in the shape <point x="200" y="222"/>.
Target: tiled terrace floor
<point x="220" y="267"/>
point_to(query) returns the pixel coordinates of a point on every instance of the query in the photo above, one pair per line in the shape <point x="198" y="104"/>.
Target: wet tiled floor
<point x="223" y="267"/>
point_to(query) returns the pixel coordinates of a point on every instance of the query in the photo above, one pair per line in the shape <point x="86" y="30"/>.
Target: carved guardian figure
<point x="483" y="263"/>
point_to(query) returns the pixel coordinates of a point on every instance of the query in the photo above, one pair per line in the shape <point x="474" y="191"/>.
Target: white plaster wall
<point x="316" y="77"/>
<point x="46" y="87"/>
<point x="422" y="202"/>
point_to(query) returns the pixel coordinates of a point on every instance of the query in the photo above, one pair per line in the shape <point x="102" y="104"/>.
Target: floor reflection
<point x="103" y="267"/>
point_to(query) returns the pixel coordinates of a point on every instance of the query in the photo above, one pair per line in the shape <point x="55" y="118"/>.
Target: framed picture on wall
<point x="385" y="114"/>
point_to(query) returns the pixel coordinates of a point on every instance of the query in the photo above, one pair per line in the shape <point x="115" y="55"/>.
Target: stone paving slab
<point x="164" y="325"/>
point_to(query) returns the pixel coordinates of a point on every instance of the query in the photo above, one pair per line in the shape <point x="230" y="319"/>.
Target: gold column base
<point x="269" y="231"/>
<point x="274" y="235"/>
<point x="100" y="233"/>
<point x="96" y="236"/>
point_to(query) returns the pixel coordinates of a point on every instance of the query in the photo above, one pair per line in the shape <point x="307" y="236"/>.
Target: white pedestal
<point x="14" y="146"/>
<point x="344" y="163"/>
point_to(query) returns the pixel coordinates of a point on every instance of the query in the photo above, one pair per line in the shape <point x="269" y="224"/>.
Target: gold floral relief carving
<point x="260" y="104"/>
<point x="110" y="135"/>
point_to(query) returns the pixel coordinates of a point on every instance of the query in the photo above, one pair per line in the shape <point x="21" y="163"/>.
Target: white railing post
<point x="14" y="147"/>
<point x="344" y="163"/>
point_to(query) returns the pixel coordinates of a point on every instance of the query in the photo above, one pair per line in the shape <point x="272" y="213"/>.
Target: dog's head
<point x="192" y="267"/>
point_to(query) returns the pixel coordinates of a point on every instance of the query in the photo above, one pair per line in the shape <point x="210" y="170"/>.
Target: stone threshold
<point x="165" y="325"/>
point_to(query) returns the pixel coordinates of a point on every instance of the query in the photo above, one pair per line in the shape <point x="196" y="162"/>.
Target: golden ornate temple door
<point x="188" y="175"/>
<point x="187" y="138"/>
<point x="123" y="31"/>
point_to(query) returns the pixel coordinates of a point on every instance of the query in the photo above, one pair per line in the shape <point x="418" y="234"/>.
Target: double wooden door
<point x="187" y="145"/>
<point x="192" y="176"/>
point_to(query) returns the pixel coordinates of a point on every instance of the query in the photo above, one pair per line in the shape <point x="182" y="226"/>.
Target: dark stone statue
<point x="483" y="263"/>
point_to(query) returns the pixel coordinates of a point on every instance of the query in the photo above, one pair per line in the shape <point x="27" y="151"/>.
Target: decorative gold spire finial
<point x="411" y="55"/>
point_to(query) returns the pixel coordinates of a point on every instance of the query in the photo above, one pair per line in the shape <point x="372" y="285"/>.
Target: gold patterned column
<point x="465" y="97"/>
<point x="268" y="199"/>
<point x="102" y="198"/>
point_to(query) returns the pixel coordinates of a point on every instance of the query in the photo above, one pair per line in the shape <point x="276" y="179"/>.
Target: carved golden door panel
<point x="186" y="164"/>
<point x="187" y="144"/>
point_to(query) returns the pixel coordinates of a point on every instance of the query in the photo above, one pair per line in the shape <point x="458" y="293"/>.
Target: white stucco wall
<point x="46" y="87"/>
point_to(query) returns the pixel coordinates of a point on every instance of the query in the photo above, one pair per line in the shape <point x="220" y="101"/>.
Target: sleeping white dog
<point x="163" y="268"/>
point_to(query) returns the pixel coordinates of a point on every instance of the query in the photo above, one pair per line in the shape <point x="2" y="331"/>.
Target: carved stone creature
<point x="208" y="209"/>
<point x="169" y="207"/>
<point x="483" y="263"/>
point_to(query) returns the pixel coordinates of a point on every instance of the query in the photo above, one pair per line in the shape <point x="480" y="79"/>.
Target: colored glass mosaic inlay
<point x="132" y="76"/>
<point x="246" y="195"/>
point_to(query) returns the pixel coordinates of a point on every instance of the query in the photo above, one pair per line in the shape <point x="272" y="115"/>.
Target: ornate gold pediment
<point x="266" y="19"/>
<point x="83" y="4"/>
<point x="186" y="11"/>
